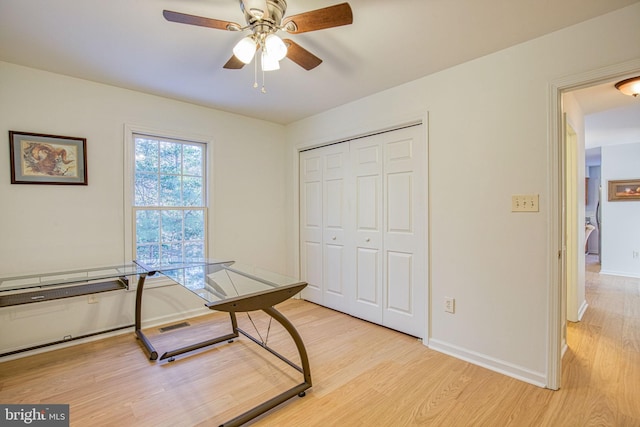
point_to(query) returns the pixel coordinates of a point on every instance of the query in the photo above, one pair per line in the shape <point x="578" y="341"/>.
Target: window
<point x="169" y="198"/>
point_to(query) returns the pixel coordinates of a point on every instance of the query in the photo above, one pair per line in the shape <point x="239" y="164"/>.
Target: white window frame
<point x="130" y="131"/>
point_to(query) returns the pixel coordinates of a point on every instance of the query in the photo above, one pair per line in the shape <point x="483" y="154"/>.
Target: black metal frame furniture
<point x="231" y="290"/>
<point x="222" y="287"/>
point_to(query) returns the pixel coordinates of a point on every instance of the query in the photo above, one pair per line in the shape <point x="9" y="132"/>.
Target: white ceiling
<point x="128" y="43"/>
<point x="610" y="117"/>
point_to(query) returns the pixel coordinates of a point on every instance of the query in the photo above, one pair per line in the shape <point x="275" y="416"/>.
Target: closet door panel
<point x="404" y="237"/>
<point x="367" y="172"/>
<point x="400" y="282"/>
<point x="334" y="243"/>
<point x="334" y="255"/>
<point x="335" y="223"/>
<point x="312" y="272"/>
<point x="400" y="201"/>
<point x="311" y="195"/>
<point x="368" y="199"/>
<point x="368" y="299"/>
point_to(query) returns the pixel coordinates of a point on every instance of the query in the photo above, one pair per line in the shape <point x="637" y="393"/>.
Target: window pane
<point x="171" y="226"/>
<point x="192" y="191"/>
<point x="146" y="190"/>
<point x="170" y="157"/>
<point x="147" y="252"/>
<point x="194" y="225"/>
<point x="171" y="252"/>
<point x="194" y="250"/>
<point x="147" y="226"/>
<point x="146" y="155"/>
<point x="193" y="157"/>
<point x="170" y="190"/>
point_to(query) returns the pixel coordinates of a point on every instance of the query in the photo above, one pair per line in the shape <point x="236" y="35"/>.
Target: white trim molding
<point x="128" y="138"/>
<point x="554" y="238"/>
<point x="496" y="365"/>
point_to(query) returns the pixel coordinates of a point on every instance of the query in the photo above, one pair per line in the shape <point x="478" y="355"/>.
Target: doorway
<point x="566" y="218"/>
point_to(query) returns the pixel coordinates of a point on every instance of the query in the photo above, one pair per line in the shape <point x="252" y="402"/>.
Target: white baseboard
<point x="65" y="344"/>
<point x="508" y="369"/>
<point x="620" y="273"/>
<point x="149" y="323"/>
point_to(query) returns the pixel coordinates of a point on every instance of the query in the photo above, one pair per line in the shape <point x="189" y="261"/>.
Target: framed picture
<point x="624" y="190"/>
<point x="47" y="159"/>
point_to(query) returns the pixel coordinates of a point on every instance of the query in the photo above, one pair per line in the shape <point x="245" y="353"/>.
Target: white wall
<point x="620" y="230"/>
<point x="53" y="228"/>
<point x="488" y="139"/>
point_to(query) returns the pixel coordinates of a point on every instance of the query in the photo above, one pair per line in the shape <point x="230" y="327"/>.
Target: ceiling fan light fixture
<point x="245" y="49"/>
<point x="269" y="62"/>
<point x="630" y="86"/>
<point x="275" y="46"/>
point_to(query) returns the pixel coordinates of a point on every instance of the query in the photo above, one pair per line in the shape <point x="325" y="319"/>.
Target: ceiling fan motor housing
<point x="254" y="13"/>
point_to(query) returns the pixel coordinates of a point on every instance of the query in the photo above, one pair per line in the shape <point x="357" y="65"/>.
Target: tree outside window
<point x="169" y="199"/>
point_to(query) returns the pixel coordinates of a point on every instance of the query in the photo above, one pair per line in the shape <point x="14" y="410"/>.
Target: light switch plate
<point x="525" y="203"/>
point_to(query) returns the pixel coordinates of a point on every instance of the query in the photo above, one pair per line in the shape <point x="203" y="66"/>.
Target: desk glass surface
<point x="218" y="281"/>
<point x="61" y="278"/>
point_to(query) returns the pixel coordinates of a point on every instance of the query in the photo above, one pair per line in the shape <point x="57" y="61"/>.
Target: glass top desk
<point x="64" y="284"/>
<point x="222" y="285"/>
<point x="228" y="288"/>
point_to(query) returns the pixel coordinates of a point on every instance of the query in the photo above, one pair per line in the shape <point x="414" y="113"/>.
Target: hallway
<point x="602" y="364"/>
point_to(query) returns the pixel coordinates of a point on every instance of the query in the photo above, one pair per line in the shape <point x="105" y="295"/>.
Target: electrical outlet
<point x="636" y="255"/>
<point x="93" y="299"/>
<point x="449" y="305"/>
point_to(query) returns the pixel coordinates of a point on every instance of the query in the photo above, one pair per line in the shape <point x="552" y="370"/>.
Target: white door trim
<point x="555" y="213"/>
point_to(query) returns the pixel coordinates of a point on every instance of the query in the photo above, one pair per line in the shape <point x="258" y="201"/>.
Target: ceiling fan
<point x="264" y="19"/>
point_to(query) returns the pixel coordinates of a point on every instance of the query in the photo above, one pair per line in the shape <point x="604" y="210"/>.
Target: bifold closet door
<point x="390" y="229"/>
<point x="324" y="257"/>
<point x="363" y="224"/>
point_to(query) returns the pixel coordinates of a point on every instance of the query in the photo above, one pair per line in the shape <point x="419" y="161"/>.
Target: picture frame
<point x="624" y="190"/>
<point x="38" y="158"/>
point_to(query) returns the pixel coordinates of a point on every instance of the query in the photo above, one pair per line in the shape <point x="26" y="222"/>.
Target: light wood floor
<point x="363" y="375"/>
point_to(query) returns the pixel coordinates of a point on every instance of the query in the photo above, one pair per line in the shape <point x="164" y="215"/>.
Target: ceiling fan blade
<point x="301" y="56"/>
<point x="183" y="18"/>
<point x="233" y="63"/>
<point x="328" y="17"/>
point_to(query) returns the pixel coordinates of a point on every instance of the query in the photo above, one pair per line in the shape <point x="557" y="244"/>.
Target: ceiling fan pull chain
<point x="255" y="70"/>
<point x="263" y="90"/>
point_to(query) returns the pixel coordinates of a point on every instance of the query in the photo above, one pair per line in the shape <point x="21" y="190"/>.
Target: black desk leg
<point x="298" y="390"/>
<point x="153" y="354"/>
